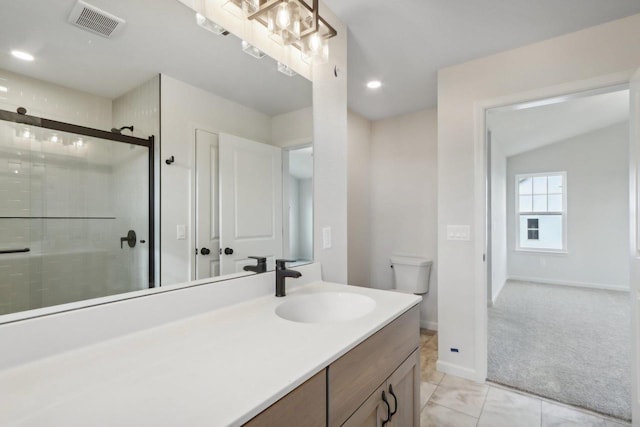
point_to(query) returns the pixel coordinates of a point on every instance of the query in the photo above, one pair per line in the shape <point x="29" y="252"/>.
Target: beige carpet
<point x="569" y="344"/>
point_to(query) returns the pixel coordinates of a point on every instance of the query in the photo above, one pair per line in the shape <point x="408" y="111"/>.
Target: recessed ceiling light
<point x="22" y="55"/>
<point x="374" y="84"/>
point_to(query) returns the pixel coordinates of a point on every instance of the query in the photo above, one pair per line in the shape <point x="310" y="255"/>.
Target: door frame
<point x="539" y="96"/>
<point x="285" y="196"/>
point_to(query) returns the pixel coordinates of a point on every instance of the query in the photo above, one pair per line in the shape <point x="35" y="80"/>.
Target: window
<point x="541" y="212"/>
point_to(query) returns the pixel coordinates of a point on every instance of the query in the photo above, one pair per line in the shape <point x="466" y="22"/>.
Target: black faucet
<point x="281" y="274"/>
<point x="260" y="267"/>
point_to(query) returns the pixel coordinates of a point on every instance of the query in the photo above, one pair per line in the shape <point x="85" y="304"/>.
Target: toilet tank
<point x="411" y="274"/>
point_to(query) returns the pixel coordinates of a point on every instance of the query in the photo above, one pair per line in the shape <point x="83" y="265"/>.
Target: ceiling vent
<point x="96" y="20"/>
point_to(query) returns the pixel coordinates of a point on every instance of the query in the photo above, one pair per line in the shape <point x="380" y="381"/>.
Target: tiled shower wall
<point x="70" y="259"/>
<point x="139" y="107"/>
<point x="42" y="185"/>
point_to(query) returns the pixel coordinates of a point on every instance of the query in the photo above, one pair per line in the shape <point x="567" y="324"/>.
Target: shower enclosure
<point x="76" y="213"/>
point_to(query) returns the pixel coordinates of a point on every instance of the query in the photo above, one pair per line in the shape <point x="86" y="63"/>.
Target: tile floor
<point x="448" y="401"/>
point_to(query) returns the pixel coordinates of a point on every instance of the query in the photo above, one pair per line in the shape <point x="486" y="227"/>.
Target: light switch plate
<point x="326" y="238"/>
<point x="459" y="232"/>
<point x="181" y="232"/>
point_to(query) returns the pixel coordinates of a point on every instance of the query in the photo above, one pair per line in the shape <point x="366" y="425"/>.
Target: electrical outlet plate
<point x="459" y="232"/>
<point x="326" y="237"/>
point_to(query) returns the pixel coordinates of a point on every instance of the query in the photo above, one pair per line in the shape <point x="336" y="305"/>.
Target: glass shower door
<point x="70" y="206"/>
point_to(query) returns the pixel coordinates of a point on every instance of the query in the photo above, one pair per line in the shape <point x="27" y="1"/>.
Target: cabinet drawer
<point x="357" y="374"/>
<point x="306" y="406"/>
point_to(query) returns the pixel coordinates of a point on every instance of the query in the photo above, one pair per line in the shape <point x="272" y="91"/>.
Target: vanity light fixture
<point x="22" y="55"/>
<point x="250" y="49"/>
<point x="284" y="69"/>
<point x="209" y="25"/>
<point x="290" y="23"/>
<point x="4" y="89"/>
<point x="374" y="84"/>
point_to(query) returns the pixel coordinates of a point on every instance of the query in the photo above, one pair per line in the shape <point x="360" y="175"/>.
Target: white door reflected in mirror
<point x="238" y="203"/>
<point x="207" y="206"/>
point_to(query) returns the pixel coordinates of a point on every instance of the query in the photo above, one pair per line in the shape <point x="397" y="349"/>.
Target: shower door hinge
<point x="484" y="257"/>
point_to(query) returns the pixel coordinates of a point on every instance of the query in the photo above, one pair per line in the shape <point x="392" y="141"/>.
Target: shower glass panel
<point x="67" y="203"/>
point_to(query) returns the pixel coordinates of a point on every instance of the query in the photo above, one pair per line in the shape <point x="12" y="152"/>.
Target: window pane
<point x="526" y="186"/>
<point x="555" y="203"/>
<point x="526" y="204"/>
<point x="532" y="235"/>
<point x="550" y="234"/>
<point x="555" y="184"/>
<point x="540" y="185"/>
<point x="532" y="223"/>
<point x="539" y="204"/>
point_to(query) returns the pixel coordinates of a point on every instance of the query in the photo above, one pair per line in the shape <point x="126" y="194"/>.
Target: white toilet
<point x="411" y="274"/>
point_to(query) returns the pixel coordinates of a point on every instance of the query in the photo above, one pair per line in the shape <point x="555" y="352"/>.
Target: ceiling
<point x="160" y="36"/>
<point x="404" y="42"/>
<point x="520" y="130"/>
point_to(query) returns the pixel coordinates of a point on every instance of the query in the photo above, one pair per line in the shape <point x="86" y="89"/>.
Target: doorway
<point x="559" y="323"/>
<point x="237" y="205"/>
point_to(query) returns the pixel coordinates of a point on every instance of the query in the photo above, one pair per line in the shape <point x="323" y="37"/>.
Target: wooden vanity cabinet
<point x="402" y="395"/>
<point x="387" y="361"/>
<point x="306" y="406"/>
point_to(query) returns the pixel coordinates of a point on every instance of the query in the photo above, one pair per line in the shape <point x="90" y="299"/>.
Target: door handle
<point x="228" y="251"/>
<point x="205" y="251"/>
<point x="386" y="402"/>
<point x="395" y="402"/>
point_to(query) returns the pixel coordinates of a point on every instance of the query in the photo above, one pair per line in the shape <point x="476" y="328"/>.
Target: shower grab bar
<point x="14" y="251"/>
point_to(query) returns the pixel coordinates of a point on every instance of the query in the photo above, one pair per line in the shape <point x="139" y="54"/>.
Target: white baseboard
<point x="432" y="326"/>
<point x="458" y="371"/>
<point x="603" y="286"/>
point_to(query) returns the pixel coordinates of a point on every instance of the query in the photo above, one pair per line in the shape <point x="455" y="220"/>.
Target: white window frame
<point x="517" y="212"/>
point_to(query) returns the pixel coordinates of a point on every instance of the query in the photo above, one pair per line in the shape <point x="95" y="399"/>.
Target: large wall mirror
<point x="153" y="154"/>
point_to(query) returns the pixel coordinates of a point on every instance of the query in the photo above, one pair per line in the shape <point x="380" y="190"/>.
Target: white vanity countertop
<point x="217" y="369"/>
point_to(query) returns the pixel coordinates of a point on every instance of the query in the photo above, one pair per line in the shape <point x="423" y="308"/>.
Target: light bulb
<point x="79" y="143"/>
<point x="271" y="22"/>
<point x="54" y="138"/>
<point x="296" y="28"/>
<point x="283" y="17"/>
<point x="315" y="43"/>
<point x="26" y="134"/>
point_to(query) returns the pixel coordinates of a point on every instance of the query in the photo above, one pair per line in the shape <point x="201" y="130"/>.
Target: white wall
<point x="498" y="220"/>
<point x="330" y="154"/>
<point x="602" y="55"/>
<point x="184" y="108"/>
<point x="597" y="210"/>
<point x="359" y="201"/>
<point x="403" y="199"/>
<point x="293" y="128"/>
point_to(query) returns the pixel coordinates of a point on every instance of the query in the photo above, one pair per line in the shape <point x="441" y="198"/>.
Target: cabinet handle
<point x="386" y="402"/>
<point x="395" y="402"/>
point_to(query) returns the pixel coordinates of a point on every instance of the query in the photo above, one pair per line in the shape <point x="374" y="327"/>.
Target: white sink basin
<point x="325" y="307"/>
